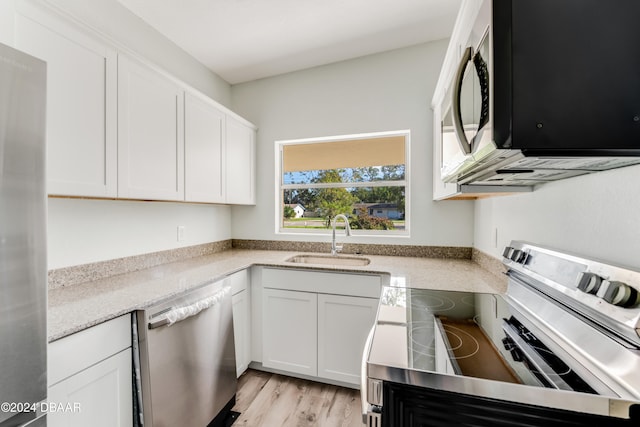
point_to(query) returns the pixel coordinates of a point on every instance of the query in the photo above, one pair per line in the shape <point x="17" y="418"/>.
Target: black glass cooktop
<point x="456" y="333"/>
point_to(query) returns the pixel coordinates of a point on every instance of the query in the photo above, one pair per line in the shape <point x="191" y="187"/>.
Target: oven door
<point x="562" y="350"/>
<point x="537" y="364"/>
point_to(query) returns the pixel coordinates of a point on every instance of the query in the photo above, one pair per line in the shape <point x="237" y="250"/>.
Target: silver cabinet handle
<point x="178" y="314"/>
<point x="457" y="113"/>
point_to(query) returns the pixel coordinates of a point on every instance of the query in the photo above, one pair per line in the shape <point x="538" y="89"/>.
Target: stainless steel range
<point x="562" y="347"/>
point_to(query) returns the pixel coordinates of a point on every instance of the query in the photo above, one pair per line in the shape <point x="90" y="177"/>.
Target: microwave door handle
<point x="457" y="113"/>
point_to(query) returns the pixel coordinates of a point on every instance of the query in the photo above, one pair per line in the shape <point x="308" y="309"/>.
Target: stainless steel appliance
<point x="187" y="359"/>
<point x="561" y="348"/>
<point x="23" y="256"/>
<point x="540" y="95"/>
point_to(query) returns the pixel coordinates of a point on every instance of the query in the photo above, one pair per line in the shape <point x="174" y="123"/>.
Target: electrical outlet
<point x="181" y="230"/>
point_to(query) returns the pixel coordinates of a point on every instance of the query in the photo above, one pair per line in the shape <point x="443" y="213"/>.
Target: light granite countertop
<point x="77" y="307"/>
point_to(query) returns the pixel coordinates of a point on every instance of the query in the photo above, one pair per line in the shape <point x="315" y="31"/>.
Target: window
<point x="364" y="177"/>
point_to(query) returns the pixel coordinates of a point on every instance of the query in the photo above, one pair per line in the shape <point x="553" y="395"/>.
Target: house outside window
<point x="364" y="177"/>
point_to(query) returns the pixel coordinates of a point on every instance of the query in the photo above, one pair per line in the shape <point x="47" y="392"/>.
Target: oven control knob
<point x="589" y="282"/>
<point x="621" y="294"/>
<point x="507" y="252"/>
<point x="517" y="256"/>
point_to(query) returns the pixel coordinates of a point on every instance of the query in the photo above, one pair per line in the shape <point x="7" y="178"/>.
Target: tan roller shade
<point x="354" y="153"/>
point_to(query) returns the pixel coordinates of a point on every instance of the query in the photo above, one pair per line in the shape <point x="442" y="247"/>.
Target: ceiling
<point x="244" y="40"/>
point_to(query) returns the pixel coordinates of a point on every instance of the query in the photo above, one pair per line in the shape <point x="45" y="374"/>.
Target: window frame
<point x="280" y="186"/>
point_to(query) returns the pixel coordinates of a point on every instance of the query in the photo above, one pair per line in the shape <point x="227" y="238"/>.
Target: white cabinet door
<point x="99" y="396"/>
<point x="89" y="377"/>
<point x="81" y="106"/>
<point x="203" y="143"/>
<point x="290" y="331"/>
<point x="241" y="330"/>
<point x="343" y="325"/>
<point x="240" y="163"/>
<point x="150" y="134"/>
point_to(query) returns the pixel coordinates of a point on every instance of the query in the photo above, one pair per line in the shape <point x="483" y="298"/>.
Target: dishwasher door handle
<point x="178" y="314"/>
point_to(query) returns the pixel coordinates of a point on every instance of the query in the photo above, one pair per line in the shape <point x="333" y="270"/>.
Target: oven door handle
<point x="534" y="358"/>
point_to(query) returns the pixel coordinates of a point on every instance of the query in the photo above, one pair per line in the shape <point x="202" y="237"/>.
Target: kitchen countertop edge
<point x="80" y="306"/>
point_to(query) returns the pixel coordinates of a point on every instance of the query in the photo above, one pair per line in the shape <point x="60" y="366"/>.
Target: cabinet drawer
<point x="83" y="349"/>
<point x="360" y="285"/>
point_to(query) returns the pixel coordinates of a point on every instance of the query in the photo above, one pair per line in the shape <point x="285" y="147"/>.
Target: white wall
<point x="83" y="231"/>
<point x="594" y="215"/>
<point x="382" y="92"/>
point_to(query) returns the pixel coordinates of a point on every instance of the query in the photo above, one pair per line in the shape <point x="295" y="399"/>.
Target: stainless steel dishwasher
<point x="187" y="374"/>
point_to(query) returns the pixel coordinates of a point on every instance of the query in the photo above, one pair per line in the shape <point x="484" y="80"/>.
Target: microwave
<point x="544" y="90"/>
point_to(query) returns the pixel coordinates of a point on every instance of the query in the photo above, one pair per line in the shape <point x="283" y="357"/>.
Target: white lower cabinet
<point x="307" y="331"/>
<point x="89" y="375"/>
<point x="241" y="300"/>
<point x="343" y="325"/>
<point x="290" y="331"/>
<point x="99" y="396"/>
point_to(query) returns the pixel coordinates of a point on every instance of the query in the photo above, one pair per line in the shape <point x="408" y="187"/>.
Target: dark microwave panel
<point x="567" y="77"/>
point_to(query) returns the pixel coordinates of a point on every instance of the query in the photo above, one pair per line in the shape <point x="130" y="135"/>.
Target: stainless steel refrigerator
<point x="23" y="249"/>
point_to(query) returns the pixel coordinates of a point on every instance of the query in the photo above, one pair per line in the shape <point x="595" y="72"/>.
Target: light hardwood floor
<point x="271" y="400"/>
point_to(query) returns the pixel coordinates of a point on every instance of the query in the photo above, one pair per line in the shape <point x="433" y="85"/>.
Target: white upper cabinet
<point x="120" y="127"/>
<point x="81" y="105"/>
<point x="240" y="162"/>
<point x="150" y="134"/>
<point x="204" y="142"/>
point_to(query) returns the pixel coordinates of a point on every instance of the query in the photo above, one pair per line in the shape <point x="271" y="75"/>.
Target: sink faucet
<point x="335" y="248"/>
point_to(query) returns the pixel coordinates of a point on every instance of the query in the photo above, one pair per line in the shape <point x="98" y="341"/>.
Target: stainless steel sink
<point x="330" y="260"/>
